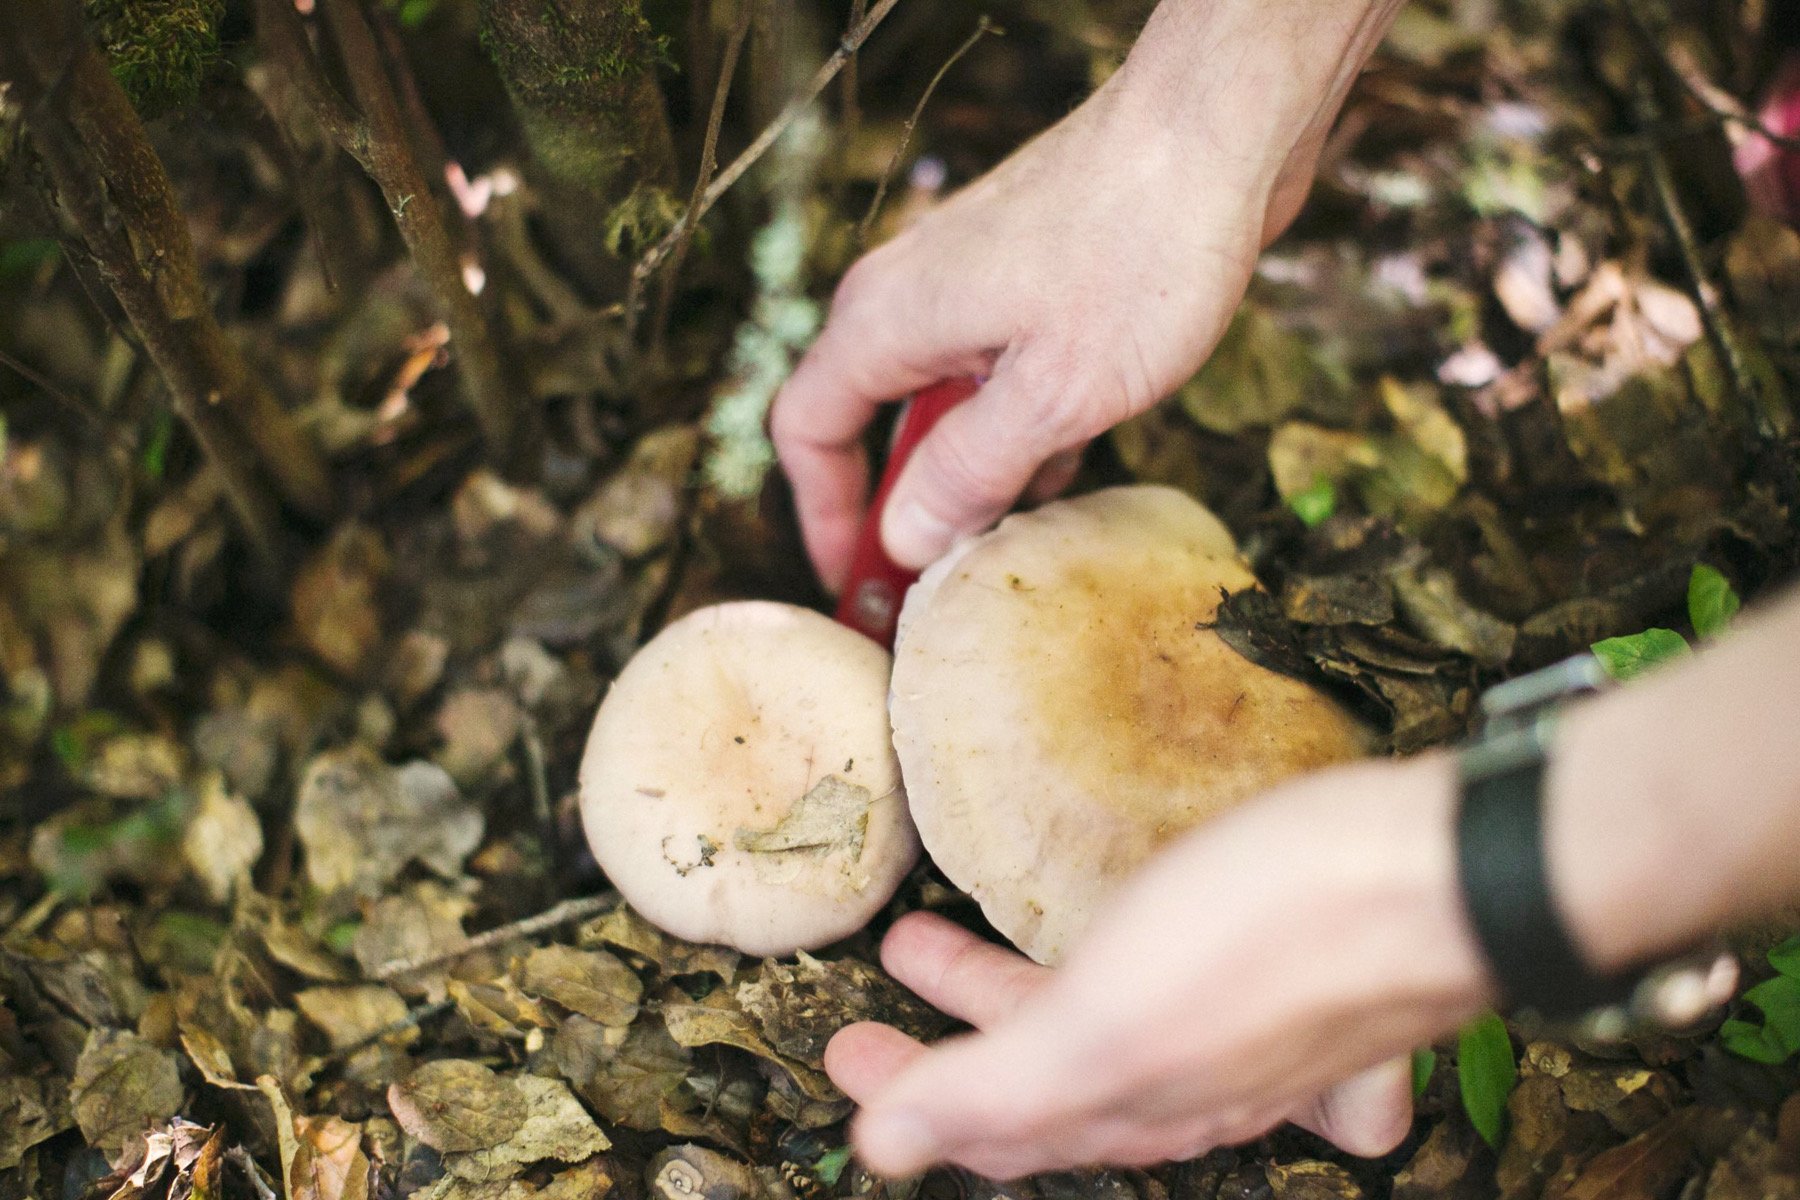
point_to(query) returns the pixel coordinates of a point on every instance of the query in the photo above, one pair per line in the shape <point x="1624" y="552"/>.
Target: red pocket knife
<point x="872" y="594"/>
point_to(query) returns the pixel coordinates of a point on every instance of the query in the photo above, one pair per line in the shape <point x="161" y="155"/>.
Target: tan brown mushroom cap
<point x="1060" y="710"/>
<point x="740" y="784"/>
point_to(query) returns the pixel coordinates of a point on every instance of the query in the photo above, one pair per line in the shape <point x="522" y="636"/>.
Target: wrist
<point x="1245" y="83"/>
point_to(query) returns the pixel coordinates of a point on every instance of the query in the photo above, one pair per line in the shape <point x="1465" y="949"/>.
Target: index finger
<point x="869" y="353"/>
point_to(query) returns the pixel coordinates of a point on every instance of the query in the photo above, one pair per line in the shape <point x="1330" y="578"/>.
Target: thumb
<point x="976" y="462"/>
<point x="1366" y="1115"/>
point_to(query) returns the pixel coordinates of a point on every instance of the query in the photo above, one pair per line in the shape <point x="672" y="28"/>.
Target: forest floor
<point x="1526" y="361"/>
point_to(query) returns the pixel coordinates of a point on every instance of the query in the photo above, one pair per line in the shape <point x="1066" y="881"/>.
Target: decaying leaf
<point x="1311" y="1180"/>
<point x="31" y="1111"/>
<point x="223" y="838"/>
<point x="122" y="1086"/>
<point x="454" y="1105"/>
<point x="336" y="604"/>
<point x="349" y="1015"/>
<point x="322" y="1158"/>
<point x="627" y="1075"/>
<point x="362" y="821"/>
<point x="555" y="1127"/>
<point x="625" y="930"/>
<point x="419" y="923"/>
<point x="500" y="1007"/>
<point x="592" y="983"/>
<point x="798" y="1006"/>
<point x="1443" y="1168"/>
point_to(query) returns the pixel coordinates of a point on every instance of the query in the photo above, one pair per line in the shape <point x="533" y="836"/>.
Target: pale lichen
<point x="783" y="319"/>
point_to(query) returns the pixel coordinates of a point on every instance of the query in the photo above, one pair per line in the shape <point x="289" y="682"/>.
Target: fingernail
<point x="896" y="1143"/>
<point x="913" y="536"/>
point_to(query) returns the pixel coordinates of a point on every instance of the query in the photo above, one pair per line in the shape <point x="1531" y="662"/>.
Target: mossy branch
<point x="115" y="191"/>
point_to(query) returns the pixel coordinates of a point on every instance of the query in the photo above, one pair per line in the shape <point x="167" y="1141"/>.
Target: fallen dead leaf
<point x="455" y="1105"/>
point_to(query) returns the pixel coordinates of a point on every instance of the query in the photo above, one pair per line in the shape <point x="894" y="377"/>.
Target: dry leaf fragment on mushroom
<point x="740" y="785"/>
<point x="1079" y="637"/>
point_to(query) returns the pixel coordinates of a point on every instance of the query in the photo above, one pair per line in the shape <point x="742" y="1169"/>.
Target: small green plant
<point x="1711" y="604"/>
<point x="1776" y="1038"/>
<point x="1315" y="505"/>
<point x="1424" y="1062"/>
<point x="830" y="1167"/>
<point x="1486" y="1073"/>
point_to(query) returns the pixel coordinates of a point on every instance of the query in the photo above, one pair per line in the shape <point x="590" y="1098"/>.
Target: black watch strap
<point x="1506" y="883"/>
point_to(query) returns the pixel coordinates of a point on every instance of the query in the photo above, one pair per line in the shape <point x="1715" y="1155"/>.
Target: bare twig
<point x="982" y="27"/>
<point x="849" y="87"/>
<point x="828" y="70"/>
<point x="49" y="387"/>
<point x="1702" y="93"/>
<point x="1717" y="325"/>
<point x="565" y="913"/>
<point x="709" y="162"/>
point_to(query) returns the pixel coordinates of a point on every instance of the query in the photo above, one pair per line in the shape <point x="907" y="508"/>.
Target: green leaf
<point x="1786" y="957"/>
<point x="1486" y="1073"/>
<point x="1315" y="505"/>
<point x="1746" y="1039"/>
<point x="1630" y="656"/>
<point x="341" y="935"/>
<point x="1424" y="1062"/>
<point x="155" y="457"/>
<point x="1779" y="1035"/>
<point x="830" y="1166"/>
<point x="24" y="256"/>
<point x="1711" y="602"/>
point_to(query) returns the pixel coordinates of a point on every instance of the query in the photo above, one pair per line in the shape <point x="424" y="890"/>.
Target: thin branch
<point x="283" y="37"/>
<point x="1717" y="325"/>
<point x="982" y="27"/>
<point x="115" y="191"/>
<point x="1702" y="93"/>
<point x="849" y="87"/>
<point x="709" y="162"/>
<point x="822" y="78"/>
<point x="375" y="134"/>
<point x="565" y="913"/>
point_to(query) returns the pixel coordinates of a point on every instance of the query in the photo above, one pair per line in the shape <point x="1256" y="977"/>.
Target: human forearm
<point x="1674" y="804"/>
<point x="1244" y="76"/>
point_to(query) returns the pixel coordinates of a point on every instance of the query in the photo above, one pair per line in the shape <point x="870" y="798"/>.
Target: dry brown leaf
<point x="1311" y="1180"/>
<point x="335" y="598"/>
<point x="362" y="821"/>
<point x="223" y="839"/>
<point x="456" y="1105"/>
<point x="500" y="1007"/>
<point x="626" y="930"/>
<point x="593" y="983"/>
<point x="423" y="921"/>
<point x="349" y="1015"/>
<point x="798" y="1006"/>
<point x="627" y="1075"/>
<point x="555" y="1127"/>
<point x="122" y="1086"/>
<point x="1650" y="1164"/>
<point x="31" y="1111"/>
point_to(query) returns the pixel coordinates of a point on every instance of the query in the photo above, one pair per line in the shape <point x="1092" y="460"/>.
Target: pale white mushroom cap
<point x="740" y="784"/>
<point x="1060" y="711"/>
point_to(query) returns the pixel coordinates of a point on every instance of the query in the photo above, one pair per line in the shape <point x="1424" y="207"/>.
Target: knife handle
<point x="870" y="602"/>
